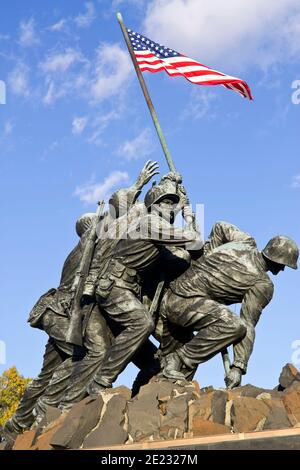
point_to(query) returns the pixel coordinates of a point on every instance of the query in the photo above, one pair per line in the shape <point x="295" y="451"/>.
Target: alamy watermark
<point x="2" y="92"/>
<point x="157" y="223"/>
<point x="296" y="93"/>
<point x="296" y="354"/>
<point x="2" y="353"/>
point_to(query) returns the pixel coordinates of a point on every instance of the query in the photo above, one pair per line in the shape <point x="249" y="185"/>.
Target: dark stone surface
<point x="252" y="391"/>
<point x="207" y="389"/>
<point x="218" y="405"/>
<point x="163" y="389"/>
<point x="51" y="415"/>
<point x="173" y="423"/>
<point x="288" y="375"/>
<point x="121" y="390"/>
<point x="143" y="411"/>
<point x="277" y="418"/>
<point x="210" y="406"/>
<point x="25" y="440"/>
<point x="291" y="401"/>
<point x="81" y="419"/>
<point x="43" y="442"/>
<point x="292" y="388"/>
<point x="110" y="431"/>
<point x="247" y="414"/>
<point x="202" y="427"/>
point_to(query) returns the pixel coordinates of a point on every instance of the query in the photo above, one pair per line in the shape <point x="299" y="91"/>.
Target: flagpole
<point x="147" y="96"/>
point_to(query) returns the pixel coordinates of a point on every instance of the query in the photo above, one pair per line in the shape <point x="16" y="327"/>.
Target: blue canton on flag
<point x="141" y="43"/>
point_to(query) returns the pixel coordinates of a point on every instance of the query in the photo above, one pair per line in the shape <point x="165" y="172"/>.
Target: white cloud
<point x="6" y="130"/>
<point x="291" y="34"/>
<point x="137" y="3"/>
<point x="79" y="124"/>
<point x="65" y="74"/>
<point x="113" y="69"/>
<point x="28" y="36"/>
<point x="60" y="62"/>
<point x="53" y="93"/>
<point x="140" y="146"/>
<point x="50" y="148"/>
<point x="102" y="121"/>
<point x="8" y="127"/>
<point x="296" y="181"/>
<point x="50" y="95"/>
<point x="18" y="80"/>
<point x="201" y="104"/>
<point x="53" y="146"/>
<point x="234" y="33"/>
<point x="70" y="73"/>
<point x="84" y="20"/>
<point x="91" y="193"/>
<point x="59" y="26"/>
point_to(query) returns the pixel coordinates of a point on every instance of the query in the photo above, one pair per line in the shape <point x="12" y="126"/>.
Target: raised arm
<point x="123" y="199"/>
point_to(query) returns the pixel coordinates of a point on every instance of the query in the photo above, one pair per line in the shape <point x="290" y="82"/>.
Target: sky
<point x="75" y="127"/>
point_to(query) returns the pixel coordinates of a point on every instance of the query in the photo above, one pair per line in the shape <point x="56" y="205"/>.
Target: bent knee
<point x="96" y="355"/>
<point x="145" y="323"/>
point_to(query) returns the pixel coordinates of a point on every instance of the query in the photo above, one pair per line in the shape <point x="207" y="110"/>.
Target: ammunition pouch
<point x="55" y="300"/>
<point x="104" y="287"/>
<point x="117" y="275"/>
<point x="46" y="301"/>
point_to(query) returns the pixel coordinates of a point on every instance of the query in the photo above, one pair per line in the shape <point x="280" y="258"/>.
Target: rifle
<point x="74" y="333"/>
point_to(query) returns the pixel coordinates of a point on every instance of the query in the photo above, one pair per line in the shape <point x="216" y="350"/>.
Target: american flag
<point x="154" y="57"/>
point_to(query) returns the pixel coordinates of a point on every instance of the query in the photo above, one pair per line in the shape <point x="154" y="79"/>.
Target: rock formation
<point x="164" y="410"/>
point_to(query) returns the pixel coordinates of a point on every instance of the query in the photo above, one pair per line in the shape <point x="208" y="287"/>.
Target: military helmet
<point x="282" y="250"/>
<point x="84" y="222"/>
<point x="166" y="189"/>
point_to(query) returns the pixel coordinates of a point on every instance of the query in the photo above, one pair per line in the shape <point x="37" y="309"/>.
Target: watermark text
<point x="2" y="92"/>
<point x="2" y="352"/>
<point x="296" y="93"/>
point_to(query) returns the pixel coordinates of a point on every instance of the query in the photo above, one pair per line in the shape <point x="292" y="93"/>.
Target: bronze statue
<point x="51" y="314"/>
<point x="127" y="260"/>
<point x="119" y="266"/>
<point x="63" y="363"/>
<point x="231" y="270"/>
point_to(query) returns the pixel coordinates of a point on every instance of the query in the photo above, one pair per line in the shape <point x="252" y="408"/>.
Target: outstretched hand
<point x="149" y="170"/>
<point x="233" y="378"/>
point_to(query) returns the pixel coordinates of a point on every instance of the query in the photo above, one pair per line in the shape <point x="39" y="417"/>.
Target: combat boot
<point x="95" y="389"/>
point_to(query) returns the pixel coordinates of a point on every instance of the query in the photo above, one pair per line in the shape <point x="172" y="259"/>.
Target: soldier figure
<point x="62" y="361"/>
<point x="118" y="269"/>
<point x="51" y="314"/>
<point x="231" y="270"/>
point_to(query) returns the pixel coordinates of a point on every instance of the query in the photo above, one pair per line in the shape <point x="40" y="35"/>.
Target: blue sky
<point x="75" y="127"/>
